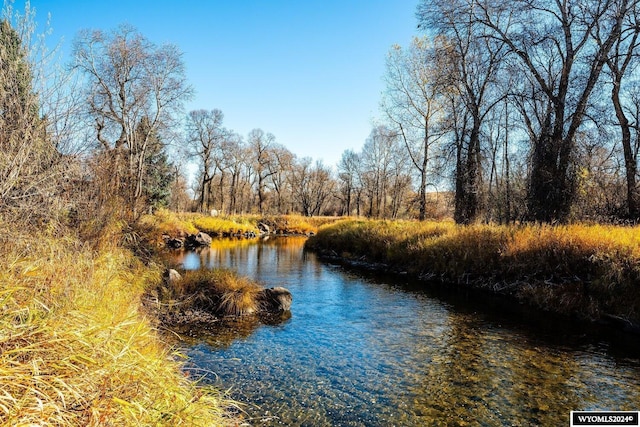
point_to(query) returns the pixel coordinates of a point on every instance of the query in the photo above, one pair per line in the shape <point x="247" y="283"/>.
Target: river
<point x="364" y="349"/>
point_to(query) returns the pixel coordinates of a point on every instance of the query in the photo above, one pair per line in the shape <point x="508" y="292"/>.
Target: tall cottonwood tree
<point x="469" y="64"/>
<point x="127" y="79"/>
<point x="621" y="63"/>
<point x="552" y="43"/>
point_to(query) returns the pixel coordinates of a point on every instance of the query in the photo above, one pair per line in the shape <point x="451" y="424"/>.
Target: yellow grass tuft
<point x="219" y="292"/>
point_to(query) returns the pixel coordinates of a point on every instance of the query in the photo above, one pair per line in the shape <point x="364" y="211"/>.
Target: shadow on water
<point x="368" y="349"/>
<point x="224" y="332"/>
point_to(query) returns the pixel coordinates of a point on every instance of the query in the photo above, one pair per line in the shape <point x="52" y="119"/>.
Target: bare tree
<point x="621" y="63"/>
<point x="348" y="178"/>
<point x="205" y="135"/>
<point x="260" y="145"/>
<point x="128" y="79"/>
<point x="553" y="44"/>
<point x="280" y="179"/>
<point x="470" y="63"/>
<point x="375" y="170"/>
<point x="414" y="105"/>
<point x="312" y="186"/>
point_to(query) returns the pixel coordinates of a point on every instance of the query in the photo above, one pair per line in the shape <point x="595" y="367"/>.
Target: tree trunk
<point x="551" y="190"/>
<point x="630" y="160"/>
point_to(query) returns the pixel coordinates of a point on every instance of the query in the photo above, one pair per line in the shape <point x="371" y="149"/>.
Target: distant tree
<point x="234" y="152"/>
<point x="348" y="179"/>
<point x="205" y="136"/>
<point x="312" y="186"/>
<point x="280" y="179"/>
<point x="179" y="198"/>
<point x="129" y="78"/>
<point x="376" y="171"/>
<point x="260" y="146"/>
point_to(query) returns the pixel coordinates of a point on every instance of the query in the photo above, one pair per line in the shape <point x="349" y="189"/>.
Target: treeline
<point x="510" y="111"/>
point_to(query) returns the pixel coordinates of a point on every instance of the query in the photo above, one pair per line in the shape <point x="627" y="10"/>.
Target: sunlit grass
<point x="181" y="224"/>
<point x="566" y="268"/>
<point x="165" y="222"/>
<point x="219" y="292"/>
<point x="221" y="226"/>
<point x="75" y="349"/>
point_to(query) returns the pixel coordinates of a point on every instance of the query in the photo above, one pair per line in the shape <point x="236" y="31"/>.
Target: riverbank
<point x="76" y="349"/>
<point x="586" y="271"/>
<point x="179" y="225"/>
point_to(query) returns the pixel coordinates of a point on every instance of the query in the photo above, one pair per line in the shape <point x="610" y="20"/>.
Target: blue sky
<point x="308" y="71"/>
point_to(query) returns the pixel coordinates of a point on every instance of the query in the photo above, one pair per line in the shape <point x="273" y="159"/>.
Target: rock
<point x="174" y="243"/>
<point x="263" y="228"/>
<point x="275" y="300"/>
<point x="171" y="276"/>
<point x="203" y="239"/>
<point x="200" y="239"/>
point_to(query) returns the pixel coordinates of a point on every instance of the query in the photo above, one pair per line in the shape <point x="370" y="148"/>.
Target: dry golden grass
<point x="75" y="349"/>
<point x="165" y="222"/>
<point x="179" y="225"/>
<point x="220" y="225"/>
<point x="219" y="292"/>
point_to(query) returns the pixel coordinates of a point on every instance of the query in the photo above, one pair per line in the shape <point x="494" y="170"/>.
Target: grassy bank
<point x="589" y="271"/>
<point x="75" y="347"/>
<point x="182" y="224"/>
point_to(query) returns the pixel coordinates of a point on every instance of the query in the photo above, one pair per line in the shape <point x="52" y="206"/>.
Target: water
<point x="364" y="350"/>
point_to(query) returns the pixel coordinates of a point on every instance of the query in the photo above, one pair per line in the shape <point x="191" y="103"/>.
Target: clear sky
<point x="308" y="71"/>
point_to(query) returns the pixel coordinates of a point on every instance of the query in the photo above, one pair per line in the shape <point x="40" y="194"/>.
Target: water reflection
<point x="364" y="350"/>
<point x="226" y="331"/>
